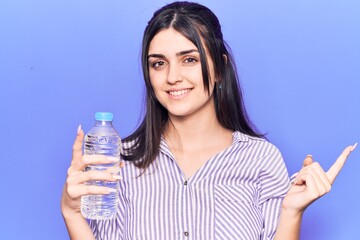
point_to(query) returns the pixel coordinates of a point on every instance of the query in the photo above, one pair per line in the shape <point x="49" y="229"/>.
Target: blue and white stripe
<point x="237" y="194"/>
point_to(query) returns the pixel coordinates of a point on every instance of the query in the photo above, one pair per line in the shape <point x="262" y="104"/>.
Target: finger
<point x="319" y="177"/>
<point x="82" y="177"/>
<point x="79" y="165"/>
<point x="300" y="180"/>
<point x="308" y="160"/>
<point x="339" y="163"/>
<point x="325" y="183"/>
<point x="77" y="191"/>
<point x="99" y="159"/>
<point x="312" y="191"/>
<point x="77" y="147"/>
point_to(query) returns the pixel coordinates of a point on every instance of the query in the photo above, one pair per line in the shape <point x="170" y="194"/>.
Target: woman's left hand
<point x="312" y="182"/>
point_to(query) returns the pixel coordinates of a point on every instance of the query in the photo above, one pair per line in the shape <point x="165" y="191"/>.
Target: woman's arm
<point x="76" y="224"/>
<point x="75" y="187"/>
<point x="310" y="184"/>
<point x="289" y="225"/>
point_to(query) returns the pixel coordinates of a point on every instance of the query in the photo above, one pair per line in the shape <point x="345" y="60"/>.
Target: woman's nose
<point x="174" y="74"/>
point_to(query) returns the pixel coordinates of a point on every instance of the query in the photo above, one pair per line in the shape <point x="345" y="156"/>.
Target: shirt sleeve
<point x="274" y="181"/>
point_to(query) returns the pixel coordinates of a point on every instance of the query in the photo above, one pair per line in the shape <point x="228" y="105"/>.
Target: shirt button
<point x="185" y="183"/>
<point x="186" y="234"/>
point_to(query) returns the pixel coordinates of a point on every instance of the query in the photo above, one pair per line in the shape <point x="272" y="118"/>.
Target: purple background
<point x="61" y="61"/>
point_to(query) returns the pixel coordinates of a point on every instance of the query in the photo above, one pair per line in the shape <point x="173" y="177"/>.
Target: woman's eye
<point x="158" y="64"/>
<point x="190" y="60"/>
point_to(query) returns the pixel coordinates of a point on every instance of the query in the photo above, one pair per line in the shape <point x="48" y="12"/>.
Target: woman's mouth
<point x="179" y="92"/>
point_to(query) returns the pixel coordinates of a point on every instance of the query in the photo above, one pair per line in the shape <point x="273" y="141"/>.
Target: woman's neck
<point x="193" y="141"/>
<point x="192" y="132"/>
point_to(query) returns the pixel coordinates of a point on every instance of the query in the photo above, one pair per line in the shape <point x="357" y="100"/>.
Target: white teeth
<point x="179" y="93"/>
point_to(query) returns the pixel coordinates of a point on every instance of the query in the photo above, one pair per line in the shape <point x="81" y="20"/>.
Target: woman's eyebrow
<point x="157" y="55"/>
<point x="186" y="52"/>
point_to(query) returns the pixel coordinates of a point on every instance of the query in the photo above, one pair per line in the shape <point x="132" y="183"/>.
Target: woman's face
<point x="176" y="75"/>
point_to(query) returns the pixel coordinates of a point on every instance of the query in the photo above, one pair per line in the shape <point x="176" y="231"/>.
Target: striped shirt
<point x="236" y="194"/>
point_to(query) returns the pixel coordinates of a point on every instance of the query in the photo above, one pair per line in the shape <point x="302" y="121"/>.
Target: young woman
<point x="195" y="168"/>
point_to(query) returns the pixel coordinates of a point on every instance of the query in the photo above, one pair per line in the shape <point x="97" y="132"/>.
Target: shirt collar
<point x="165" y="148"/>
<point x="240" y="137"/>
<point x="237" y="137"/>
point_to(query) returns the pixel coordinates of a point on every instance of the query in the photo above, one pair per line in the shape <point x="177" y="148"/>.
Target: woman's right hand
<point x="75" y="185"/>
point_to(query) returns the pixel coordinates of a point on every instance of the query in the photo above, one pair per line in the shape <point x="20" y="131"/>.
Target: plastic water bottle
<point x="102" y="139"/>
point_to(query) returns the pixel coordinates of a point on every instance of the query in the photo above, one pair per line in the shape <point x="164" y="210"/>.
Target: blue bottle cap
<point x="103" y="116"/>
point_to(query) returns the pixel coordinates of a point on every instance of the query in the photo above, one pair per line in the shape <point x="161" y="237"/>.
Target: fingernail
<point x="78" y="129"/>
<point x="118" y="177"/>
<point x="112" y="190"/>
<point x="353" y="148"/>
<point x="309" y="155"/>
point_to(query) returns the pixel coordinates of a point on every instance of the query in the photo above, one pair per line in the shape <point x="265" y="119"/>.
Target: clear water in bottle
<point x="102" y="139"/>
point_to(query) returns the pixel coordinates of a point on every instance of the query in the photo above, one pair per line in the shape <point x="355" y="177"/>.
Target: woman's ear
<point x="225" y="58"/>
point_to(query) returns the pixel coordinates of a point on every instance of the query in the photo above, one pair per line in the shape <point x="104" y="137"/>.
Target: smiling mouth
<point x="179" y="93"/>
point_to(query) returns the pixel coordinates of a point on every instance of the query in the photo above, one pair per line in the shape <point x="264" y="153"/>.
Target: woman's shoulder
<point x="243" y="137"/>
<point x="259" y="145"/>
<point x="127" y="146"/>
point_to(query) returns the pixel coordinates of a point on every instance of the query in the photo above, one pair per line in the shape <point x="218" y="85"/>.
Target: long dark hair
<point x="198" y="24"/>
